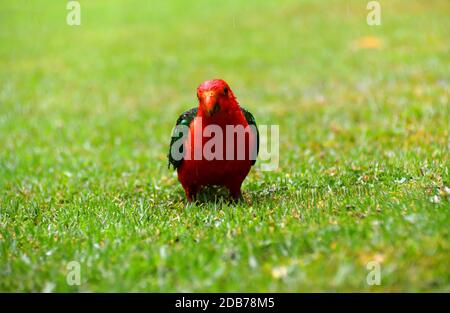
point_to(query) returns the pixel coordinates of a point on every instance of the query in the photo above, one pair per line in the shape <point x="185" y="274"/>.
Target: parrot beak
<point x="210" y="103"/>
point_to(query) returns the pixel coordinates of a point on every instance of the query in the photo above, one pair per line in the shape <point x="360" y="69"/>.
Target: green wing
<point x="184" y="119"/>
<point x="251" y="121"/>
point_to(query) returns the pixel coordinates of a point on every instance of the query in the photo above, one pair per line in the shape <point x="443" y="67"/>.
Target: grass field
<point x="86" y="114"/>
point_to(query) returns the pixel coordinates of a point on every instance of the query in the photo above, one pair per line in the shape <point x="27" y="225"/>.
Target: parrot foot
<point x="236" y="194"/>
<point x="191" y="192"/>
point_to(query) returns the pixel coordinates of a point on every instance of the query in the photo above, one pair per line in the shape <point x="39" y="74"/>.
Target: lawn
<point x="86" y="114"/>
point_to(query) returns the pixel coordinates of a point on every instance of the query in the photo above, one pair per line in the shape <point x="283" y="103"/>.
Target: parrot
<point x="219" y="108"/>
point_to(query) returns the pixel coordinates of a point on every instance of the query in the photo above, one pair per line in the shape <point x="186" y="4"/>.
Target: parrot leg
<point x="191" y="192"/>
<point x="235" y="192"/>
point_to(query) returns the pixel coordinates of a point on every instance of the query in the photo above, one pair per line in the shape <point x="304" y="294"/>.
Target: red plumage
<point x="217" y="106"/>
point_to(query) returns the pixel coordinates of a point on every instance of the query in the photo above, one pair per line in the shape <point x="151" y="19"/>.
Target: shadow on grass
<point x="215" y="195"/>
<point x="220" y="195"/>
<point x="209" y="195"/>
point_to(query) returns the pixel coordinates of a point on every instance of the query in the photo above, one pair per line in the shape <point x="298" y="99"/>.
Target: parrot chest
<point x="215" y="172"/>
<point x="213" y="157"/>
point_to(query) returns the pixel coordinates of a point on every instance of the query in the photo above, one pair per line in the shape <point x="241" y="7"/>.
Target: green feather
<point x="184" y="119"/>
<point x="251" y="121"/>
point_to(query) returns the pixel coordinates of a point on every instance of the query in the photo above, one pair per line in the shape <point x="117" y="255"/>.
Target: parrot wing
<point x="184" y="119"/>
<point x="252" y="122"/>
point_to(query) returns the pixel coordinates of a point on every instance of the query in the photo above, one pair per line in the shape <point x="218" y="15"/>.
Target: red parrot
<point x="217" y="109"/>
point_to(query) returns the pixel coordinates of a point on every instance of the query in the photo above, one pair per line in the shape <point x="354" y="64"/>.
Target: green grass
<point x="85" y="120"/>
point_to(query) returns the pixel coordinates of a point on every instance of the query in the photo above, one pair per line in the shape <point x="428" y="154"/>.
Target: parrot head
<point x="215" y="96"/>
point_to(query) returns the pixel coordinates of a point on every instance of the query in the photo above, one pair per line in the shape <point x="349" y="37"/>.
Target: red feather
<point x="217" y="106"/>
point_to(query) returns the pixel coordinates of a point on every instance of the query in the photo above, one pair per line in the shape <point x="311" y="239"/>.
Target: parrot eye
<point x="225" y="90"/>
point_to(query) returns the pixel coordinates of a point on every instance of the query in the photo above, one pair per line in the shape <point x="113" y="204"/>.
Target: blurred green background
<point x="86" y="114"/>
